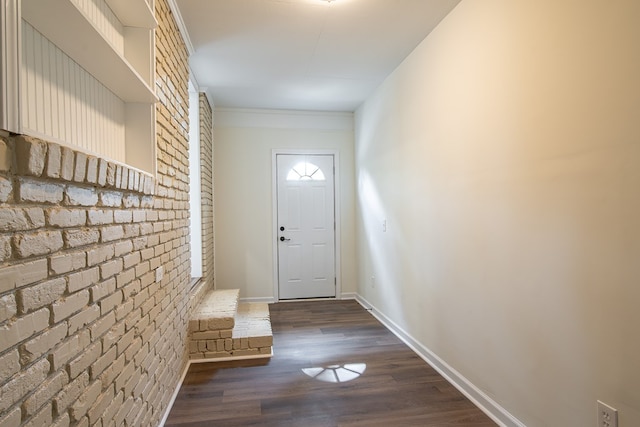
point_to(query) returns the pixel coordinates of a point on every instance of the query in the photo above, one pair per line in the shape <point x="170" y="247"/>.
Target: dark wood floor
<point x="396" y="389"/>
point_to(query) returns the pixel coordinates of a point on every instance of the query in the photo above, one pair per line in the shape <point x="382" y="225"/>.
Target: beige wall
<point x="243" y="143"/>
<point x="504" y="154"/>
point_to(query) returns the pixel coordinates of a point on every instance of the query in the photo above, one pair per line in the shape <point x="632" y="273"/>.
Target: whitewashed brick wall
<point x="87" y="334"/>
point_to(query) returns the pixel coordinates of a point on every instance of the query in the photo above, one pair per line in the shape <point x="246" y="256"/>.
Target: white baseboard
<point x="266" y="300"/>
<point x="233" y="358"/>
<point x="271" y="300"/>
<point x="490" y="407"/>
<point x="348" y="295"/>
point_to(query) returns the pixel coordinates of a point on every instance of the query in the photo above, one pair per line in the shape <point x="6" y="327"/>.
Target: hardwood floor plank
<point x="328" y="339"/>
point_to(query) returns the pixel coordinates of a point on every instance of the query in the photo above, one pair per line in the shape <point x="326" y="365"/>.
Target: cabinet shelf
<point x="79" y="39"/>
<point x="133" y="13"/>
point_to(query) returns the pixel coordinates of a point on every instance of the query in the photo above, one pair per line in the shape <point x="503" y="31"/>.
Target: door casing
<point x="274" y="215"/>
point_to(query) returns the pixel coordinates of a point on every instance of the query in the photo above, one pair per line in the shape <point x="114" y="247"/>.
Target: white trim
<point x="264" y="300"/>
<point x="274" y="225"/>
<point x="10" y="64"/>
<point x="195" y="188"/>
<point x="485" y="403"/>
<point x="233" y="358"/>
<point x="336" y="207"/>
<point x="283" y="119"/>
<point x="193" y="81"/>
<point x="209" y="96"/>
<point x="348" y="295"/>
<point x="293" y="301"/>
<point x="200" y="89"/>
<point x="181" y="26"/>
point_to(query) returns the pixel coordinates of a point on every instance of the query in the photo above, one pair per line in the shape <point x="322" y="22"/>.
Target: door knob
<point x="282" y="239"/>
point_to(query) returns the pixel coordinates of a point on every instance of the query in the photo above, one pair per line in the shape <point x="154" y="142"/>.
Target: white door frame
<point x="274" y="216"/>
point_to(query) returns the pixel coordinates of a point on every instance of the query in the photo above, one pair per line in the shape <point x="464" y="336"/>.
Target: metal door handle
<point x="282" y="239"/>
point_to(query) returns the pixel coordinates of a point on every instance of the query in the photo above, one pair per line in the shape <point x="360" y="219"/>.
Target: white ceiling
<point x="302" y="54"/>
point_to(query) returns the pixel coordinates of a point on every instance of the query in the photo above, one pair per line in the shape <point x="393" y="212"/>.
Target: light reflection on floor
<point x="336" y="373"/>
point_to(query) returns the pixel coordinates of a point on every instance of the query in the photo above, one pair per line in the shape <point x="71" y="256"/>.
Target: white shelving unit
<point x="113" y="41"/>
<point x="9" y="65"/>
<point x="133" y="13"/>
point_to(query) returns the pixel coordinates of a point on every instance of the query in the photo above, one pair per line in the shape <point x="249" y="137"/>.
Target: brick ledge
<point x="28" y="156"/>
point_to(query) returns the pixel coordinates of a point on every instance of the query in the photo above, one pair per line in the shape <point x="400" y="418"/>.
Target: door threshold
<point x="307" y="299"/>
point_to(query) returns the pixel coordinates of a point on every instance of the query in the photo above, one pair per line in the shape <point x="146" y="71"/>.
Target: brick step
<point x="216" y="311"/>
<point x="253" y="328"/>
<point x="220" y="328"/>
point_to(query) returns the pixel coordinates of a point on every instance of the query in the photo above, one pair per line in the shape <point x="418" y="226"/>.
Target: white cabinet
<point x="92" y="63"/>
<point x="9" y="65"/>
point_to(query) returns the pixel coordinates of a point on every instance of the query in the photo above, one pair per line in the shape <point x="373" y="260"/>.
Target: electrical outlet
<point x="159" y="273"/>
<point x="607" y="416"/>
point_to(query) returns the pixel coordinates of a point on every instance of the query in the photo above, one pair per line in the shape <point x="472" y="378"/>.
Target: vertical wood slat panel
<point x="37" y="63"/>
<point x="55" y="91"/>
<point x="104" y="20"/>
<point x="62" y="125"/>
<point x="63" y="102"/>
<point x="28" y="80"/>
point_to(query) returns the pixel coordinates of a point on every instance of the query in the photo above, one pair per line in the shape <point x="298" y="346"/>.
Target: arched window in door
<point x="305" y="171"/>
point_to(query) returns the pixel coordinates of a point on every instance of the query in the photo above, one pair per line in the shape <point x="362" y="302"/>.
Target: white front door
<point x="306" y="226"/>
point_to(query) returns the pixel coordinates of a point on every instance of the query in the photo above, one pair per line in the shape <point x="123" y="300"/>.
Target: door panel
<point x="306" y="226"/>
<point x="293" y="215"/>
<point x="319" y="209"/>
<point x="318" y="252"/>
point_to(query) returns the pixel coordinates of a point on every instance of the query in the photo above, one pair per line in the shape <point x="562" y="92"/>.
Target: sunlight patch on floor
<point x="336" y="373"/>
